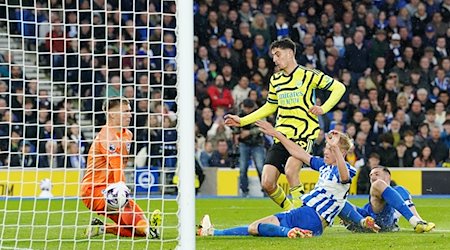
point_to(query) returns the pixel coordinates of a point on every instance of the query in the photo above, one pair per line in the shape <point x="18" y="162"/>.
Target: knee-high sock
<point x="394" y="199"/>
<point x="236" y="231"/>
<point x="270" y="230"/>
<point x="280" y="198"/>
<point x="296" y="193"/>
<point x="349" y="213"/>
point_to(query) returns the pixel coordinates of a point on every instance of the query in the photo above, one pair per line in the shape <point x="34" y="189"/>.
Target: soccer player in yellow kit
<point x="292" y="93"/>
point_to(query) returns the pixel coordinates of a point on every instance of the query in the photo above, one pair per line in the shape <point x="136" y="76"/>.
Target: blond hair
<point x="345" y="142"/>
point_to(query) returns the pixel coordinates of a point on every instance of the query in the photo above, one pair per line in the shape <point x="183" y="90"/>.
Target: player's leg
<point x="428" y="226"/>
<point x="268" y="226"/>
<point x="244" y="153"/>
<point x="270" y="177"/>
<point x="407" y="197"/>
<point x="274" y="166"/>
<point x="133" y="216"/>
<point x="296" y="223"/>
<point x="349" y="213"/>
<point x="380" y="193"/>
<point x="293" y="167"/>
<point x="292" y="170"/>
<point x="207" y="229"/>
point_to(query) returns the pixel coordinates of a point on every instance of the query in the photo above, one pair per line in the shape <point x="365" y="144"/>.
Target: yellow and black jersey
<point x="293" y="95"/>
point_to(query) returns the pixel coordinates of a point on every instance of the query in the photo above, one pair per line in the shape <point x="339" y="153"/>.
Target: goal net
<point x="59" y="62"/>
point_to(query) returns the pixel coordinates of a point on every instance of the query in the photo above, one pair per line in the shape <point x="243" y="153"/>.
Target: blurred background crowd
<point x="392" y="55"/>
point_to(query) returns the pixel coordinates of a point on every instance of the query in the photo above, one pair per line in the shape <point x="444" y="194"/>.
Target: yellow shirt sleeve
<point x="264" y="111"/>
<point x="336" y="88"/>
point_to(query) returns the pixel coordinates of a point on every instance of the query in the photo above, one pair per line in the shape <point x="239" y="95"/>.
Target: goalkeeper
<point x="106" y="161"/>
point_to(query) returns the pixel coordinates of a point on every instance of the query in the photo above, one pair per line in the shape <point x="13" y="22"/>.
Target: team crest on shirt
<point x="128" y="147"/>
<point x="328" y="79"/>
<point x="277" y="88"/>
<point x="112" y="148"/>
<point x="299" y="84"/>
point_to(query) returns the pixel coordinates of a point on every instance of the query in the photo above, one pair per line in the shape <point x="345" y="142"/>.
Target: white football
<point x="117" y="197"/>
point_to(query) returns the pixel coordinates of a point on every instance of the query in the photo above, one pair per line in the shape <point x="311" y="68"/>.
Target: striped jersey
<point x="329" y="195"/>
<point x="295" y="95"/>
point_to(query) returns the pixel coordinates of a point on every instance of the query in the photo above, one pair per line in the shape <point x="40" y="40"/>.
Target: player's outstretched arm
<point x="264" y="111"/>
<point x="333" y="141"/>
<point x="294" y="149"/>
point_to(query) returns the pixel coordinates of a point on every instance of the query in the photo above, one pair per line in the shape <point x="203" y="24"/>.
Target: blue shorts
<point x="386" y="218"/>
<point x="302" y="217"/>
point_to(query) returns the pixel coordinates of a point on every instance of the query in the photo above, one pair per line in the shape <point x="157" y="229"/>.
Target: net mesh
<point x="59" y="61"/>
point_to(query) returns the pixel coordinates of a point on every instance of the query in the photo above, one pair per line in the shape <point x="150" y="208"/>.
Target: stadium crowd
<point x="392" y="55"/>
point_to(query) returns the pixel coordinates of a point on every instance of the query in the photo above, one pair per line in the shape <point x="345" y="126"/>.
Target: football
<point x="117" y="196"/>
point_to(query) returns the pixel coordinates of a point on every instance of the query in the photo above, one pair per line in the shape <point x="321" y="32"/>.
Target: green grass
<point x="47" y="233"/>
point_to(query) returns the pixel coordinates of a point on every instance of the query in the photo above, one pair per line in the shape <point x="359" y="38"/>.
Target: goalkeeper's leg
<point x="131" y="217"/>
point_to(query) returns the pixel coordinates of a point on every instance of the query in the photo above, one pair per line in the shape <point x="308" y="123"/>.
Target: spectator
<point x="363" y="185"/>
<point x="378" y="45"/>
<point x="259" y="27"/>
<point x="362" y="148"/>
<point x="422" y="136"/>
<point x="50" y="159"/>
<point x="445" y="134"/>
<point x="220" y="157"/>
<point x="74" y="159"/>
<point x="419" y="20"/>
<point x="205" y="155"/>
<point x="206" y="121"/>
<point x="240" y="92"/>
<point x="411" y="151"/>
<point x="439" y="150"/>
<point x="25" y="157"/>
<point x="280" y="29"/>
<point x="220" y="95"/>
<point x="424" y="160"/>
<point x="219" y="131"/>
<point x="416" y="114"/>
<point x="251" y="146"/>
<point x="386" y="150"/>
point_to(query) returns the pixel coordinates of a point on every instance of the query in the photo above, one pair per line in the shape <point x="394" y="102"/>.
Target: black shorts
<point x="277" y="155"/>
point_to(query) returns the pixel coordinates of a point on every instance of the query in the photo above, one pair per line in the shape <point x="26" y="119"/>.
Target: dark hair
<point x="114" y="102"/>
<point x="385" y="169"/>
<point x="285" y="43"/>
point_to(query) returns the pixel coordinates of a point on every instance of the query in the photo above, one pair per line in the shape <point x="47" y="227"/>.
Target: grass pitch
<point x="56" y="224"/>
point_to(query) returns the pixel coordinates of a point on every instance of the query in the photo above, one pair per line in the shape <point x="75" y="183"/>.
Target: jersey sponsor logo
<point x="290" y="98"/>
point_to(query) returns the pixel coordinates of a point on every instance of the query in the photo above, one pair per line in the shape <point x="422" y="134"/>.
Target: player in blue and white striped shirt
<point x="320" y="206"/>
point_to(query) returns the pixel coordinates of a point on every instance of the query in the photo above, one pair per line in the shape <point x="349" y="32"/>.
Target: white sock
<point x="413" y="221"/>
<point x="362" y="222"/>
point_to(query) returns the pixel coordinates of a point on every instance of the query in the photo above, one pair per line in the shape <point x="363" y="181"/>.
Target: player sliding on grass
<point x="384" y="200"/>
<point x="107" y="158"/>
<point x="320" y="206"/>
<point x="292" y="95"/>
